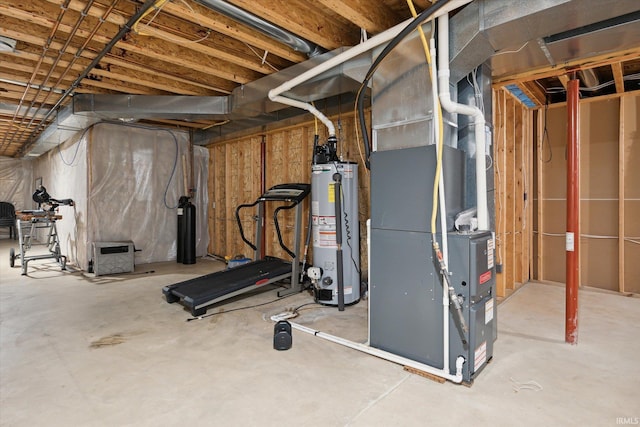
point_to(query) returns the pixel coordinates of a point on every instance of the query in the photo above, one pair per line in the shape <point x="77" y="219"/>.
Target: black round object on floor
<point x="282" y="339"/>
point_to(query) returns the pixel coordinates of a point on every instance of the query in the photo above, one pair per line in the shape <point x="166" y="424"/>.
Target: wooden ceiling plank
<point x="616" y="68"/>
<point x="302" y="21"/>
<point x="361" y="13"/>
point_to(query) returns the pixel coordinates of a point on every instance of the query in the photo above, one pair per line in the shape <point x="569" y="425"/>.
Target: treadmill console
<point x="286" y="193"/>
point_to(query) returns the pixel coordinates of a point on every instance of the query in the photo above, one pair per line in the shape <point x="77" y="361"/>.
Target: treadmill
<point x="201" y="292"/>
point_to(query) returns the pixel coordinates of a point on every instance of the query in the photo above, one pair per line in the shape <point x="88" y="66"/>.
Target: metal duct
<point x="247" y="107"/>
<point x="513" y="33"/>
<point x="293" y="41"/>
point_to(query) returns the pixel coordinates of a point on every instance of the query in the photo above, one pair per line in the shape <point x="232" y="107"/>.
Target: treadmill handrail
<point x="278" y="233"/>
<point x="246" y="205"/>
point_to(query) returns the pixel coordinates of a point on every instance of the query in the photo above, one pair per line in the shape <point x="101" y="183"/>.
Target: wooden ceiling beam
<point x="575" y="65"/>
<point x="300" y="19"/>
<point x="169" y="52"/>
<point x="15" y="92"/>
<point x="201" y="48"/>
<point x="120" y="87"/>
<point x="534" y="92"/>
<point x="618" y="77"/>
<point x="564" y="80"/>
<point x="148" y="81"/>
<point x="146" y="69"/>
<point x="230" y="28"/>
<point x="169" y="56"/>
<point x="23" y="57"/>
<point x="249" y="62"/>
<point x="374" y="19"/>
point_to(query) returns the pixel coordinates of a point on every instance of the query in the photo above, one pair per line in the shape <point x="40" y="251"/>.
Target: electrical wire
<point x="175" y="161"/>
<point x="545" y="135"/>
<point x="348" y="232"/>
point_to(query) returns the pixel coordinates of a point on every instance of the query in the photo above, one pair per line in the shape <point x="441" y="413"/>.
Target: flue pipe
<point x="468" y="110"/>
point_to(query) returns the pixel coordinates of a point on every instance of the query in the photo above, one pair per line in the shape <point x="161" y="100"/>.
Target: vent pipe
<point x="293" y="41"/>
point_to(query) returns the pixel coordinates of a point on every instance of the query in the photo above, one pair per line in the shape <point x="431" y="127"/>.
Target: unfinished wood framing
<point x="610" y="202"/>
<point x="513" y="140"/>
<point x="236" y="180"/>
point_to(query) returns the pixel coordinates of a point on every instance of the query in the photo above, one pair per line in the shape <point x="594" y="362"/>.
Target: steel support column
<point x="573" y="211"/>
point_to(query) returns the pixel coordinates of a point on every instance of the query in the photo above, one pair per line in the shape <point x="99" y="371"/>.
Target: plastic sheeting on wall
<point x="16" y="182"/>
<point x="126" y="181"/>
<point x="136" y="177"/>
<point x="63" y="172"/>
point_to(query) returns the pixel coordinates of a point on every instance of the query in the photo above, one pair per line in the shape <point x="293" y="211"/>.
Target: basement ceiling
<point x="50" y="51"/>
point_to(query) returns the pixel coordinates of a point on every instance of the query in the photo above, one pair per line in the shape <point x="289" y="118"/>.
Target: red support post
<point x="573" y="211"/>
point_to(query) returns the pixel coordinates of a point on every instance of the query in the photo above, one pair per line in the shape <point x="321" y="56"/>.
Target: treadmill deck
<point x="198" y="293"/>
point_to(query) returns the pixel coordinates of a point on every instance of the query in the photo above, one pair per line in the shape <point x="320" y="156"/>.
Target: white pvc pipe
<point x="443" y="212"/>
<point x="375" y="41"/>
<point x="457" y="378"/>
<point x="468" y="110"/>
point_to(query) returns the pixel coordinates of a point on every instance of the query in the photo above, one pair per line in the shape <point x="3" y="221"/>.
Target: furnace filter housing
<point x="324" y="230"/>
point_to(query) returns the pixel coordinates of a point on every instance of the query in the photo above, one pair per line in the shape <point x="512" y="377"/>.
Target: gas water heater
<point x="335" y="226"/>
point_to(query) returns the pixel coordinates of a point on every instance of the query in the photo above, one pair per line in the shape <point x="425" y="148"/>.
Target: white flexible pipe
<point x="375" y="41"/>
<point x="443" y="211"/>
<point x="454" y="107"/>
<point x="457" y="378"/>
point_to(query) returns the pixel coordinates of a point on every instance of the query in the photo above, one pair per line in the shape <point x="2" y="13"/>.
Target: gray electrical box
<point x="113" y="257"/>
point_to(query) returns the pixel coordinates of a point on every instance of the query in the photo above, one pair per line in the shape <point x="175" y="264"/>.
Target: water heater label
<point x="332" y="193"/>
<point x="315" y="207"/>
<point x="327" y="239"/>
<point x="347" y="172"/>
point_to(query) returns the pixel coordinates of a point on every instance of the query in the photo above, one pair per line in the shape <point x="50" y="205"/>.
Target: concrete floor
<point x="76" y="350"/>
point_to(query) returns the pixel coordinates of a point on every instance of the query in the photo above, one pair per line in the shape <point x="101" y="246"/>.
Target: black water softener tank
<point x="186" y="253"/>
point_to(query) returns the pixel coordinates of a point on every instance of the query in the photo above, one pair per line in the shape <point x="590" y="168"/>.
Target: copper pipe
<point x="573" y="211"/>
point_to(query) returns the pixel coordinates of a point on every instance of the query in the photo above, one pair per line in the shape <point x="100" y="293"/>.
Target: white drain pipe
<point x="468" y="110"/>
<point x="457" y="378"/>
<point x="275" y="94"/>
